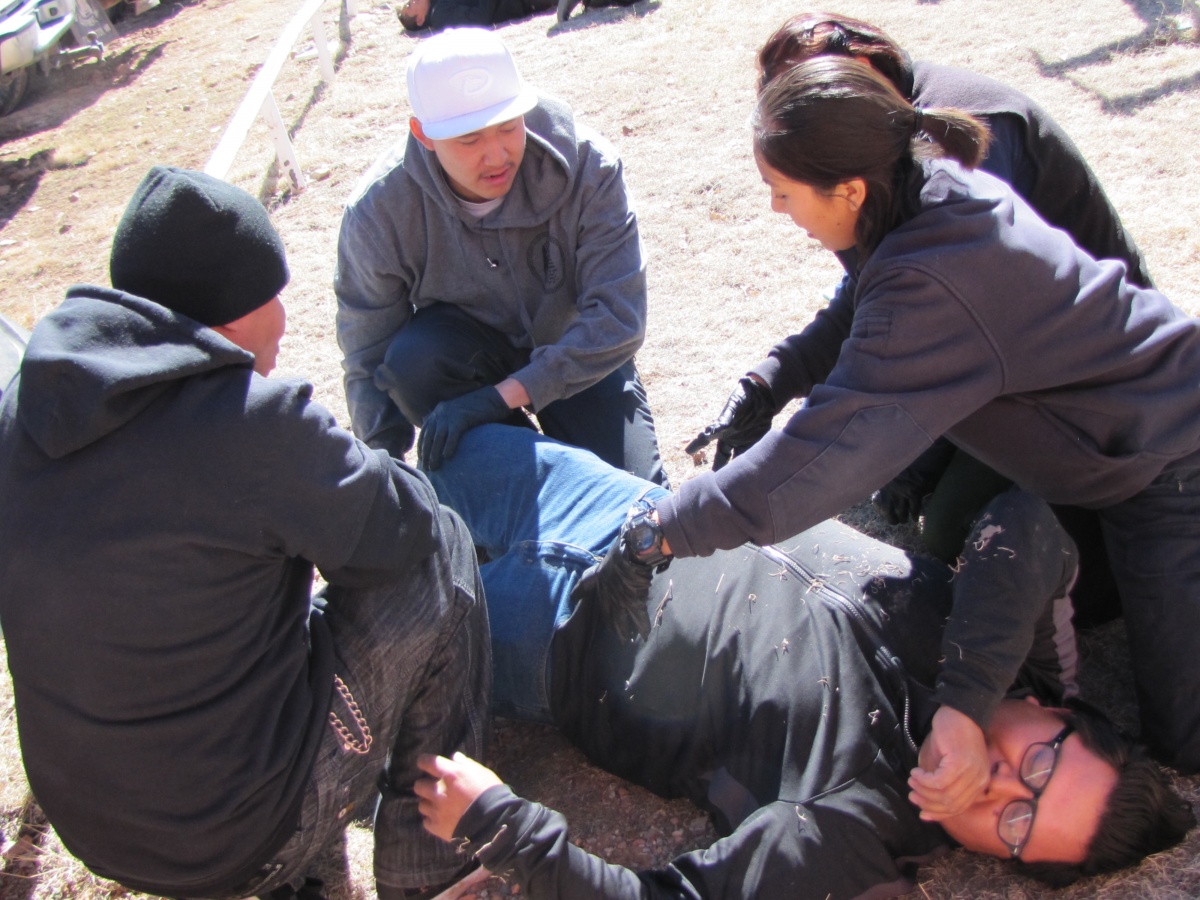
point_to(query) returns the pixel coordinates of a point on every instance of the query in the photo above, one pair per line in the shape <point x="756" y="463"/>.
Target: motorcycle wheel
<point x="12" y="89"/>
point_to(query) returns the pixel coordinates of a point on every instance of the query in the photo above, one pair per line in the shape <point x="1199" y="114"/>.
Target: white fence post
<point x="258" y="99"/>
<point x="323" y="55"/>
<point x="284" y="151"/>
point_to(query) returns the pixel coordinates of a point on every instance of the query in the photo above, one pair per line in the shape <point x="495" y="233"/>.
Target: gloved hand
<point x="899" y="501"/>
<point x="742" y="423"/>
<point x="620" y="586"/>
<point x="902" y="499"/>
<point x="451" y="419"/>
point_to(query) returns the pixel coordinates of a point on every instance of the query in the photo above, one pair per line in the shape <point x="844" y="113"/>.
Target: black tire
<point x="12" y="89"/>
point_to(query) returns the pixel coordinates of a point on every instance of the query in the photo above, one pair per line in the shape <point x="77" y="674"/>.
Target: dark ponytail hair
<point x="826" y="34"/>
<point x="830" y="119"/>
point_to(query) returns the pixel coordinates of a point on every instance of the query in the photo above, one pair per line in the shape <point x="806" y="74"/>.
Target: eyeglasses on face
<point x="1037" y="765"/>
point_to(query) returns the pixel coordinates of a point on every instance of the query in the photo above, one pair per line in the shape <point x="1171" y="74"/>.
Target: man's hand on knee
<point x="451" y="419"/>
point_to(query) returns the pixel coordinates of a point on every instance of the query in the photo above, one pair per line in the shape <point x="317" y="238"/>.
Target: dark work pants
<point x="1153" y="543"/>
<point x="444" y="353"/>
<point x="414" y="666"/>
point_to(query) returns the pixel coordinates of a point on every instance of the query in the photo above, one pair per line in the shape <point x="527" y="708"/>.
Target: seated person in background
<point x="192" y="721"/>
<point x="787" y="693"/>
<point x="1033" y="154"/>
<point x="490" y="265"/>
<point x="439" y="14"/>
<point x="566" y="7"/>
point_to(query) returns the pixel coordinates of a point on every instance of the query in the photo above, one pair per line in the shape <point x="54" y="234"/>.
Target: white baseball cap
<point x="464" y="79"/>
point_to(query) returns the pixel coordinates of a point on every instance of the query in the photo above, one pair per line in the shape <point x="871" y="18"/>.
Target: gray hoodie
<point x="558" y="267"/>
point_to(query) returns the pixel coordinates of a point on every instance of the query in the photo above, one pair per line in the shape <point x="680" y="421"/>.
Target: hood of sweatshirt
<point x="102" y="357"/>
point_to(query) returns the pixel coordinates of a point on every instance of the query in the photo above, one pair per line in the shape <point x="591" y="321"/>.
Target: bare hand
<point x="953" y="766"/>
<point x="453" y="785"/>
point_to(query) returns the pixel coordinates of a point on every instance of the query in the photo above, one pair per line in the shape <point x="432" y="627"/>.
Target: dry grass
<point x="671" y="83"/>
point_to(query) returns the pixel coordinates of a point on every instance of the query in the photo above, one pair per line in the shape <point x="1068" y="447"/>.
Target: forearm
<point x="514" y="393"/>
<point x="1016" y="561"/>
<point x="401" y="527"/>
<point x="792" y="479"/>
<point x="375" y="517"/>
<point x="530" y="842"/>
<point x="589" y="350"/>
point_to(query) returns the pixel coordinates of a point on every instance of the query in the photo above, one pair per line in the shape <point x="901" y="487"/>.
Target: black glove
<point x="902" y="499"/>
<point x="621" y="589"/>
<point x="899" y="501"/>
<point x="451" y="419"/>
<point x="742" y="423"/>
<point x="620" y="583"/>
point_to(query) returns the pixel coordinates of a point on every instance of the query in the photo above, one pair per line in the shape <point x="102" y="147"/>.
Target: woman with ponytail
<point x="969" y="317"/>
<point x="945" y="488"/>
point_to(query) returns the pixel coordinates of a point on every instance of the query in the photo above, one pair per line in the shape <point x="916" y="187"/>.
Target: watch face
<point x="642" y="538"/>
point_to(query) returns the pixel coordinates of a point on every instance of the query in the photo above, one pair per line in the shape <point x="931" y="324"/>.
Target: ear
<point x="1033" y="700"/>
<point x="419" y="133"/>
<point x="231" y="331"/>
<point x="853" y="191"/>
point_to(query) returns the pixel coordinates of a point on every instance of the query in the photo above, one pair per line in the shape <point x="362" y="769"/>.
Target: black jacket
<point x="974" y="320"/>
<point x="164" y="508"/>
<point x="1032" y="154"/>
<point x="787" y="694"/>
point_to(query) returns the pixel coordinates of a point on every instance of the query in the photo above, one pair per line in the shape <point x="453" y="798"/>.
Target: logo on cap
<point x="472" y="82"/>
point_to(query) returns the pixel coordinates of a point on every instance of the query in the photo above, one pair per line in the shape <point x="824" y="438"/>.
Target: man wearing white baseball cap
<point x="493" y="265"/>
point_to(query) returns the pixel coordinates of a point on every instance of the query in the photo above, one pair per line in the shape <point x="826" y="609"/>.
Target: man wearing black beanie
<point x="192" y="721"/>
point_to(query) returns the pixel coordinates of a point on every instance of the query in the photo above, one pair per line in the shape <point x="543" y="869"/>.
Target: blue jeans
<point x="543" y="512"/>
<point x="1153" y="542"/>
<point x="444" y="353"/>
<point x="413" y="662"/>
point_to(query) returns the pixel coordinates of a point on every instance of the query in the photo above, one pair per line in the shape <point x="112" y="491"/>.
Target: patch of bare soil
<point x="671" y="83"/>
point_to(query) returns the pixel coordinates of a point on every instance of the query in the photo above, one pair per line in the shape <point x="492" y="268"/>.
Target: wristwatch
<point x="642" y="537"/>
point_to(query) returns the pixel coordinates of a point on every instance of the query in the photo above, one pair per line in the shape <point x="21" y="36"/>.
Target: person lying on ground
<point x="437" y="15"/>
<point x="797" y="694"/>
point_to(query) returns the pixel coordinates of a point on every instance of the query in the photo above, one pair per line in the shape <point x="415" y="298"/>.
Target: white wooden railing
<point x="260" y="101"/>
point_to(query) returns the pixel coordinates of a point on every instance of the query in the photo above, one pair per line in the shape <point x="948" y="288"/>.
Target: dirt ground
<point x="671" y="83"/>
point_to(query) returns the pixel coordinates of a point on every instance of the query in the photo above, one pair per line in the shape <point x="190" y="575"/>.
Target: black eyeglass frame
<point x="1055" y="746"/>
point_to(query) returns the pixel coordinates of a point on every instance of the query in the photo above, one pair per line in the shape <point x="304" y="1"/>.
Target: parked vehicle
<point x="36" y="33"/>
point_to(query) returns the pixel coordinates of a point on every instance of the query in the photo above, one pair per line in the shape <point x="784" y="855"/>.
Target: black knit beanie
<point x="198" y="246"/>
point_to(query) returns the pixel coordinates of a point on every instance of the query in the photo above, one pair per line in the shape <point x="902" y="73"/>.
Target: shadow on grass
<point x="19" y="179"/>
<point x="55" y="99"/>
<point x="269" y="193"/>
<point x="1164" y="25"/>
